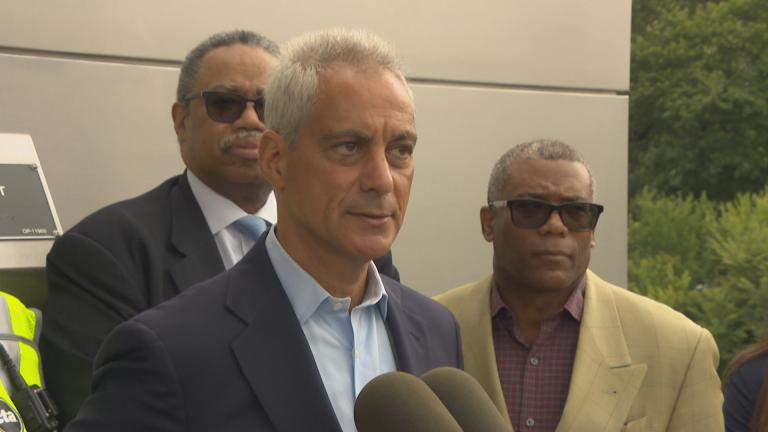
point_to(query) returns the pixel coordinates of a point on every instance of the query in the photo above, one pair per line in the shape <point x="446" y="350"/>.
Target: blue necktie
<point x="251" y="226"/>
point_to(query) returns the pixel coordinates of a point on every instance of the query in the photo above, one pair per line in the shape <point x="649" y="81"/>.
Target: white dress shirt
<point x="220" y="213"/>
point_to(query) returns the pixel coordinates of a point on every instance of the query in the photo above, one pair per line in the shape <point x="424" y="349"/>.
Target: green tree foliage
<point x="655" y="228"/>
<point x="699" y="97"/>
<point x="647" y="12"/>
<point x="708" y="260"/>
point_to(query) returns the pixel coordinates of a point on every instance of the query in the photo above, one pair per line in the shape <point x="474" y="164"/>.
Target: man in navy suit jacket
<point x="135" y="254"/>
<point x="286" y="339"/>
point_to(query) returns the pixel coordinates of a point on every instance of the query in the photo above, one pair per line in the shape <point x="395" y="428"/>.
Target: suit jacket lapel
<point x="190" y="235"/>
<point x="406" y="331"/>
<point x="604" y="381"/>
<point x="272" y="351"/>
<point x="477" y="341"/>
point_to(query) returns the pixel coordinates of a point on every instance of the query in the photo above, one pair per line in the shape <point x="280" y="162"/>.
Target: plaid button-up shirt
<point x="535" y="378"/>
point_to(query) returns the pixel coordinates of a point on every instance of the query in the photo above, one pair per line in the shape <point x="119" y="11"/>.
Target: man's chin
<point x="246" y="175"/>
<point x="555" y="281"/>
<point x="373" y="248"/>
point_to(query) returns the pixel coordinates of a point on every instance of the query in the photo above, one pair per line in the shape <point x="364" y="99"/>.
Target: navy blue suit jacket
<point x="229" y="355"/>
<point x="742" y="392"/>
<point x="116" y="263"/>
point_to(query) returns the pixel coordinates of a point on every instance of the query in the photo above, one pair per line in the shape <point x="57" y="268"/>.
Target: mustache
<point x="230" y="140"/>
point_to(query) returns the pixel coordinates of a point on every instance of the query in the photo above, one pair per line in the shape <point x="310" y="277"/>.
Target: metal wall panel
<point x="561" y="43"/>
<point x="462" y="132"/>
<point x="93" y="82"/>
<point x="103" y="131"/>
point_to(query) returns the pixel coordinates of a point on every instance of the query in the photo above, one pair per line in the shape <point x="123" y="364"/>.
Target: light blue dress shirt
<point x="350" y="347"/>
<point x="220" y="213"/>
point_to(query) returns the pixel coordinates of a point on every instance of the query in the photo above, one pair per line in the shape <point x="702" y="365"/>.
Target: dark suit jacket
<point x="230" y="355"/>
<point x="742" y="392"/>
<point x="114" y="264"/>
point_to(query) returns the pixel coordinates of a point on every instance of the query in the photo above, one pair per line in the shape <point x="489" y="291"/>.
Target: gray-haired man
<point x="554" y="345"/>
<point x="135" y="254"/>
<point x="286" y="339"/>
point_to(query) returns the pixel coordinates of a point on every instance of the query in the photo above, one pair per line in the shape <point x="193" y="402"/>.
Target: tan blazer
<point x="639" y="364"/>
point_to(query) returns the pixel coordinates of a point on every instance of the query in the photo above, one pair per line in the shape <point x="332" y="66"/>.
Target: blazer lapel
<point x="272" y="352"/>
<point x="477" y="341"/>
<point x="472" y="307"/>
<point x="190" y="235"/>
<point x="604" y="381"/>
<point x="406" y="332"/>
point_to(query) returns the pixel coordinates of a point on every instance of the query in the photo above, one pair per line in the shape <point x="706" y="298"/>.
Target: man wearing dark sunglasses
<point x="135" y="254"/>
<point x="555" y="346"/>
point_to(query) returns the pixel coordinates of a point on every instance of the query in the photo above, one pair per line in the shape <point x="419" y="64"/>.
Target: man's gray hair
<point x="191" y="64"/>
<point x="538" y="149"/>
<point x="293" y="84"/>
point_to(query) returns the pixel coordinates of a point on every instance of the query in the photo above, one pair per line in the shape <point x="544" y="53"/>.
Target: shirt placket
<point x="358" y="362"/>
<point x="531" y="401"/>
<point x="530" y="397"/>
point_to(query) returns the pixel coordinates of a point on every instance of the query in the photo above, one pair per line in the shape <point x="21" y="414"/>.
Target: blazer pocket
<point x="635" y="425"/>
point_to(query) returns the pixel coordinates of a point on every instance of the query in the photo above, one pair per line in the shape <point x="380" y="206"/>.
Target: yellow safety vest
<point x="19" y="332"/>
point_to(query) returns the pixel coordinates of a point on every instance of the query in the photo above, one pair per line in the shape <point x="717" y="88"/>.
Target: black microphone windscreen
<point x="399" y="402"/>
<point x="466" y="400"/>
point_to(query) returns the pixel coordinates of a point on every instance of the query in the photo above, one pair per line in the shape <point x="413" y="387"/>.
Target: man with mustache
<point x="135" y="254"/>
<point x="555" y="346"/>
<point x="287" y="338"/>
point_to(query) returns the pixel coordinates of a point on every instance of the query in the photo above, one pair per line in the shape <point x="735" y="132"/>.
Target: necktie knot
<point x="251" y="226"/>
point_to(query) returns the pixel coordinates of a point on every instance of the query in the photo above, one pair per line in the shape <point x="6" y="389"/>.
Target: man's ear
<point x="272" y="151"/>
<point x="179" y="115"/>
<point x="486" y="223"/>
<point x="593" y="240"/>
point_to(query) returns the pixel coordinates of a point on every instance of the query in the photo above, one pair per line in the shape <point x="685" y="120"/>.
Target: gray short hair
<point x="191" y="64"/>
<point x="292" y="88"/>
<point x="538" y="149"/>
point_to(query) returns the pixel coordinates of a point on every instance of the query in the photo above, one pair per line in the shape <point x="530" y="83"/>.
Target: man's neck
<point x="250" y="197"/>
<point x="339" y="276"/>
<point x="529" y="305"/>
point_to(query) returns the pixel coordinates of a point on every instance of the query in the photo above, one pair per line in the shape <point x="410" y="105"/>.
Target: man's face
<point x="343" y="189"/>
<point x="225" y="155"/>
<point x="550" y="258"/>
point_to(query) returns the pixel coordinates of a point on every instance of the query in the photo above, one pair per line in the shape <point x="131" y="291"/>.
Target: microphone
<point x="466" y="400"/>
<point x="399" y="402"/>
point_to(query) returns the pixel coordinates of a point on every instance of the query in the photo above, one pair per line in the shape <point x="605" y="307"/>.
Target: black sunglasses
<point x="532" y="213"/>
<point x="226" y="107"/>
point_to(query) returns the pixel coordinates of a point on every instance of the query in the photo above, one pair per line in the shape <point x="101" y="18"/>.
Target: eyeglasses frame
<point x="497" y="204"/>
<point x="202" y="94"/>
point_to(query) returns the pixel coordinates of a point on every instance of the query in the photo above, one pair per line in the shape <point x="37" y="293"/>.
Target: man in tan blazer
<point x="555" y="346"/>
